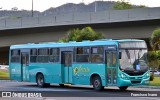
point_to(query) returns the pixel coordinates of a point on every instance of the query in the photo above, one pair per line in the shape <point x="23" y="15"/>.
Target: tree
<point x="155" y="39"/>
<point x="142" y="6"/>
<point x="78" y="35"/>
<point x="153" y="60"/>
<point x="15" y="9"/>
<point x="158" y="57"/>
<point x="120" y="5"/>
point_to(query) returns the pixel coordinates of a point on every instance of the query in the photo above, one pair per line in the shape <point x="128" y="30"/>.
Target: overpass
<point x="116" y="24"/>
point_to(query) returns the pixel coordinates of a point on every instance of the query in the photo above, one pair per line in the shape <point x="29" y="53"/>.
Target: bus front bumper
<point x="129" y="82"/>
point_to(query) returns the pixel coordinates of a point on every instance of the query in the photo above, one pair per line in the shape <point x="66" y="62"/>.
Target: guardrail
<point x="81" y="18"/>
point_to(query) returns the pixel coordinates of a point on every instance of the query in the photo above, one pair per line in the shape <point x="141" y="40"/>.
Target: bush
<point x="79" y="35"/>
<point x="151" y="77"/>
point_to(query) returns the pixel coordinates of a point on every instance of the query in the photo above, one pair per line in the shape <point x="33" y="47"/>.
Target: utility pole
<point x="95" y="6"/>
<point x="32" y="8"/>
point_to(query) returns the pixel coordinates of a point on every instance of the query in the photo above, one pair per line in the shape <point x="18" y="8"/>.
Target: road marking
<point x="152" y="98"/>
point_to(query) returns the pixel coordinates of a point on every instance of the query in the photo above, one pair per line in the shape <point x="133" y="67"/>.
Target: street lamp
<point x="95" y="6"/>
<point x="32" y="8"/>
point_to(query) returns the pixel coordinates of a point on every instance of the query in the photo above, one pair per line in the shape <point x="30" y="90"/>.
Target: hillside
<point x="63" y="9"/>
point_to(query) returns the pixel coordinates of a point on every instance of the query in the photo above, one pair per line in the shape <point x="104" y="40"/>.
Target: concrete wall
<point x="81" y="18"/>
<point x="30" y="38"/>
<point x="128" y="32"/>
<point x="112" y="32"/>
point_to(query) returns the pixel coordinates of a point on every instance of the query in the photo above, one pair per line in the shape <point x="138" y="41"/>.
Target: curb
<point x="8" y="81"/>
<point x="150" y="87"/>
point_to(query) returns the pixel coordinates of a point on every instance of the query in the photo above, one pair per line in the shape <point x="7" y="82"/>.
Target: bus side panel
<point x="15" y="71"/>
<point x="83" y="72"/>
<point x="51" y="72"/>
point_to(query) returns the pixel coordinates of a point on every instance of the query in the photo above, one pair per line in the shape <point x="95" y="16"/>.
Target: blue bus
<point x="100" y="63"/>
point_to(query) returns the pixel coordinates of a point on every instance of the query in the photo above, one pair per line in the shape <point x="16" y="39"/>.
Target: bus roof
<point x="72" y="43"/>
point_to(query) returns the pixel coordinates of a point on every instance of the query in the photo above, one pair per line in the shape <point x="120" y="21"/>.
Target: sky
<point x="42" y="5"/>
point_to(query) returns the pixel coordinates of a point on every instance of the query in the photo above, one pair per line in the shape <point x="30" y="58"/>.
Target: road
<point x="55" y="92"/>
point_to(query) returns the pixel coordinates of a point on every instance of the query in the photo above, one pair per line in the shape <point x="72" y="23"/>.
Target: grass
<point x="155" y="82"/>
<point x="4" y="75"/>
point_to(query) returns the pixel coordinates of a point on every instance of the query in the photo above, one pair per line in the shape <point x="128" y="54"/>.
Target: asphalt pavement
<point x="77" y="92"/>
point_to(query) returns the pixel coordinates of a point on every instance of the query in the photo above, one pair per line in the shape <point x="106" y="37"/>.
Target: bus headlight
<point x="147" y="75"/>
<point x="123" y="76"/>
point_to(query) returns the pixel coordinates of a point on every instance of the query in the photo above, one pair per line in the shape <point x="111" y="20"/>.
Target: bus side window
<point x="82" y="54"/>
<point x="33" y="55"/>
<point x="97" y="54"/>
<point x="114" y="60"/>
<point x="108" y="59"/>
<point x="15" y="56"/>
<point x="43" y="55"/>
<point x="54" y="55"/>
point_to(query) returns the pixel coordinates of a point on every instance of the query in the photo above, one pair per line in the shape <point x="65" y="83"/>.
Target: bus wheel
<point x="47" y="84"/>
<point x="97" y="83"/>
<point x="61" y="85"/>
<point x="40" y="80"/>
<point x="123" y="88"/>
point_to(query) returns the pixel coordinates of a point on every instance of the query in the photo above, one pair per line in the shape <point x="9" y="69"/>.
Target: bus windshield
<point x="134" y="59"/>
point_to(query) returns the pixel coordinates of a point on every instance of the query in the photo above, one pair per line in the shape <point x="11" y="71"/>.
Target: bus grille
<point x="135" y="82"/>
<point x="135" y="74"/>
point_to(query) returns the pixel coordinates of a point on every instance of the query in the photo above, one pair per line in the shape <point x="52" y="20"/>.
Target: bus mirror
<point x="120" y="53"/>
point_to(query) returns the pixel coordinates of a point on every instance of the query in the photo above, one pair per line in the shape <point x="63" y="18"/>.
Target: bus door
<point x="111" y="62"/>
<point x="24" y="66"/>
<point x="67" y="66"/>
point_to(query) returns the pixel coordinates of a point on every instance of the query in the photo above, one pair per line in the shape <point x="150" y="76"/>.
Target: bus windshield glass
<point x="134" y="58"/>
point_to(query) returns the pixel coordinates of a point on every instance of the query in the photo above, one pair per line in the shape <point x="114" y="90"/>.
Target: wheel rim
<point x="96" y="83"/>
<point x="40" y="80"/>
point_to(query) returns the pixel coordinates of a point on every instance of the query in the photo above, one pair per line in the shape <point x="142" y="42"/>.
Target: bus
<point x="98" y="63"/>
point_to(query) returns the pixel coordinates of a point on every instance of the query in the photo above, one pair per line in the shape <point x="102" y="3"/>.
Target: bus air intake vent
<point x="136" y="82"/>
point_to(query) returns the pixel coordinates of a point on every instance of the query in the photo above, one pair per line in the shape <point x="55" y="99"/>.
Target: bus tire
<point x="61" y="85"/>
<point x="123" y="88"/>
<point x="40" y="80"/>
<point x="47" y="84"/>
<point x="97" y="83"/>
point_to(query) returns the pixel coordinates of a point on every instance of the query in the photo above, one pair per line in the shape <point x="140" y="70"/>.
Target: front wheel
<point x="123" y="88"/>
<point x="61" y="85"/>
<point x="47" y="84"/>
<point x="97" y="83"/>
<point x="40" y="80"/>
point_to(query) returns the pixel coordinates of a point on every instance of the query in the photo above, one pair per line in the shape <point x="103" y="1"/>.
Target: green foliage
<point x="155" y="82"/>
<point x="4" y="75"/>
<point x="142" y="6"/>
<point x="151" y="77"/>
<point x="158" y="55"/>
<point x="155" y="39"/>
<point x="78" y="35"/>
<point x="154" y="59"/>
<point x="120" y="5"/>
<point x="152" y="56"/>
